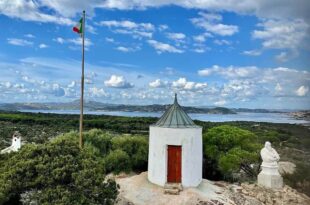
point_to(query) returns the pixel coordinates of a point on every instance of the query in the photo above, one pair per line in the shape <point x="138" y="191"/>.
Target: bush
<point x="99" y="139"/>
<point x="230" y="149"/>
<point x="136" y="147"/>
<point x="117" y="161"/>
<point x="57" y="172"/>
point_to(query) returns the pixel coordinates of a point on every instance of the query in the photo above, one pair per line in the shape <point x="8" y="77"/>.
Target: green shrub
<point x="99" y="139"/>
<point x="57" y="172"/>
<point x="230" y="149"/>
<point x="117" y="161"/>
<point x="136" y="147"/>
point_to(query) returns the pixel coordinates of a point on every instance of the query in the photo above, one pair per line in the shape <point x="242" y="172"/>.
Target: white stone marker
<point x="269" y="176"/>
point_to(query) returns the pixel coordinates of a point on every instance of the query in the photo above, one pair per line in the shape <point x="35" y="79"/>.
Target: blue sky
<point x="238" y="54"/>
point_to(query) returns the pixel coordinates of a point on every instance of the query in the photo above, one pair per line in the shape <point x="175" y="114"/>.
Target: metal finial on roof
<point x="175" y="98"/>
<point x="175" y="117"/>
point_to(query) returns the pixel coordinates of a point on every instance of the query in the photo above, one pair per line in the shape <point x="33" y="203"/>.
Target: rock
<point x="287" y="167"/>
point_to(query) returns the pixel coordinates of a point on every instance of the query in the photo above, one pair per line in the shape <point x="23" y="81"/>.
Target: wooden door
<point x="174" y="164"/>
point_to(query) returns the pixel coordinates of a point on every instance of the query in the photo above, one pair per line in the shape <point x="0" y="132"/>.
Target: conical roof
<point x="175" y="117"/>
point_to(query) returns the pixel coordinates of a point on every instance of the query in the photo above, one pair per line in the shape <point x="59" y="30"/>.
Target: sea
<point x="241" y="116"/>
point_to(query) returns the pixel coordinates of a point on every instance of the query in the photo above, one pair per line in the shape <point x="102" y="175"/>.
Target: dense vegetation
<point x="56" y="172"/>
<point x="228" y="149"/>
<point x="123" y="145"/>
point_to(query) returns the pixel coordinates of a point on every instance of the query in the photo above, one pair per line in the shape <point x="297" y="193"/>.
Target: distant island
<point x="99" y="106"/>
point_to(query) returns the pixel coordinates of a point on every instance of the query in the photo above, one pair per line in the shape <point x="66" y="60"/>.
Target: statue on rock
<point x="270" y="176"/>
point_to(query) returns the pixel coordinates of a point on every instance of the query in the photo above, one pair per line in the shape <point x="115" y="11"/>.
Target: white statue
<point x="16" y="143"/>
<point x="270" y="176"/>
<point x="269" y="155"/>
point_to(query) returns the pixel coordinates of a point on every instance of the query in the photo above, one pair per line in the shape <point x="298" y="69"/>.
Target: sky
<point x="236" y="53"/>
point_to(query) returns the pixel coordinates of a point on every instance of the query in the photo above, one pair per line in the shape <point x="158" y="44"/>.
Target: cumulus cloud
<point x="302" y="91"/>
<point x="212" y="23"/>
<point x="97" y="92"/>
<point x="42" y="45"/>
<point x="164" y="47"/>
<point x="116" y="81"/>
<point x="202" y="37"/>
<point x="281" y="34"/>
<point x="19" y="42"/>
<point x="158" y="84"/>
<point x="182" y="83"/>
<point x="248" y="83"/>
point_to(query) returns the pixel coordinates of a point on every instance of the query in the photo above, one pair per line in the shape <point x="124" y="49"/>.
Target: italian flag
<point x="78" y="28"/>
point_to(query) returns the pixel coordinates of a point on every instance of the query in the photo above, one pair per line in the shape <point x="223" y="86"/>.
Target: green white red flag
<point x="78" y="28"/>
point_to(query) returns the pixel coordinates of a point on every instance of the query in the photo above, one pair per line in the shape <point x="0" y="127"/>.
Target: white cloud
<point x="286" y="55"/>
<point x="111" y="40"/>
<point x="163" y="27"/>
<point x="127" y="24"/>
<point x="116" y="81"/>
<point x="136" y="30"/>
<point x="229" y="72"/>
<point x="76" y="41"/>
<point x="248" y="83"/>
<point x="158" y="84"/>
<point x="59" y="40"/>
<point x="72" y="84"/>
<point x="176" y="36"/>
<point x="97" y="92"/>
<point x="252" y="52"/>
<point x="211" y="23"/>
<point x="182" y="83"/>
<point x="199" y="50"/>
<point x="278" y="87"/>
<point x="281" y="34"/>
<point x="164" y="47"/>
<point x="19" y="42"/>
<point x="220" y="102"/>
<point x="42" y="45"/>
<point x="127" y="49"/>
<point x="30" y="11"/>
<point x="302" y="91"/>
<point x="222" y="42"/>
<point x="262" y="9"/>
<point x="29" y="35"/>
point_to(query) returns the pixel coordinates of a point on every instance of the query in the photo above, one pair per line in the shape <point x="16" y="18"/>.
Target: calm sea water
<point x="242" y="116"/>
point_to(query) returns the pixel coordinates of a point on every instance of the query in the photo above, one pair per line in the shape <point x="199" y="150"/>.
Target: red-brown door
<point x="174" y="164"/>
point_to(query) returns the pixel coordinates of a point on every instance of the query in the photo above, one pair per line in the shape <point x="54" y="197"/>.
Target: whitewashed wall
<point x="191" y="141"/>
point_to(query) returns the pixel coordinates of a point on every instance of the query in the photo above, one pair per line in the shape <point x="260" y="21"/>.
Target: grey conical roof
<point x="175" y="117"/>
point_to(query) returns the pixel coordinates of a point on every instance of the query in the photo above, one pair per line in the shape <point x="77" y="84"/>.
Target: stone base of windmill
<point x="270" y="177"/>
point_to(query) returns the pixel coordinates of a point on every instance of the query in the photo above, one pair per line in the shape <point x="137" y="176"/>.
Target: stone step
<point x="172" y="191"/>
<point x="173" y="188"/>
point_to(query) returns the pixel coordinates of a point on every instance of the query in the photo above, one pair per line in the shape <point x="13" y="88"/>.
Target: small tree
<point x="231" y="149"/>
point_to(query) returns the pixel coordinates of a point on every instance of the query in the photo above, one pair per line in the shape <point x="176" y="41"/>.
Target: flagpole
<point x="82" y="84"/>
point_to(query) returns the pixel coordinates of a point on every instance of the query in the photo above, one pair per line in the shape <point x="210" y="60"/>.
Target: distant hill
<point x="256" y="110"/>
<point x="96" y="106"/>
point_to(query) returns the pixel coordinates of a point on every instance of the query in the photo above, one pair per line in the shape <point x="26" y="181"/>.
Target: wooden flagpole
<point x="82" y="84"/>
